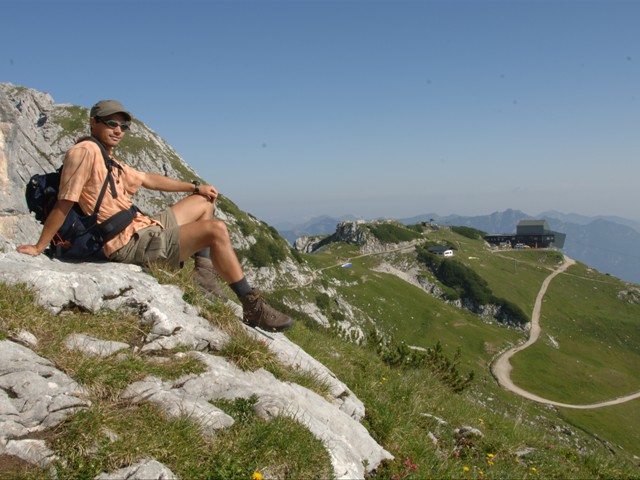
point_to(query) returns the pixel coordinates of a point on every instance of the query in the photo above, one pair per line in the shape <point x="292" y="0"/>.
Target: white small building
<point x="441" y="251"/>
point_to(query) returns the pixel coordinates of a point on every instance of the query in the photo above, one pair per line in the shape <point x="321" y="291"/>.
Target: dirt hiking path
<point x="501" y="367"/>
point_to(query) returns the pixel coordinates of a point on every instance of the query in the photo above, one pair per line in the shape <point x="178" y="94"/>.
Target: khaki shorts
<point x="153" y="244"/>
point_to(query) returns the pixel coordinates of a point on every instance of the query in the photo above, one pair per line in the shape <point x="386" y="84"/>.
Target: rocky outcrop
<point x="147" y="469"/>
<point x="308" y="244"/>
<point x="630" y="296"/>
<point x="25" y="408"/>
<point x="352" y="232"/>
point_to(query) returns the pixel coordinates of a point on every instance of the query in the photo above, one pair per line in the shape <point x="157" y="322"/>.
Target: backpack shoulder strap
<point x="109" y="164"/>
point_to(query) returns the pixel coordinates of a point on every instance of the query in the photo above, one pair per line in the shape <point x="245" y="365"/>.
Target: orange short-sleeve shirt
<point x="83" y="175"/>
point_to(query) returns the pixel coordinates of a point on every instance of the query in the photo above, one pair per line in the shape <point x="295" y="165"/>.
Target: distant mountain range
<point x="607" y="243"/>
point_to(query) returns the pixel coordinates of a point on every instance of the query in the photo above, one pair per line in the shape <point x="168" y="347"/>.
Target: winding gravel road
<point x="501" y="367"/>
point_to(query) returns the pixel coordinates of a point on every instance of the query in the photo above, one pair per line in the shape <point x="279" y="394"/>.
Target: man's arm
<point x="153" y="181"/>
<point x="51" y="226"/>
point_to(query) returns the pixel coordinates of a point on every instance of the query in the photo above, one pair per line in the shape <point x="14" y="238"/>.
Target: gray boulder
<point x="29" y="450"/>
<point x="145" y="470"/>
<point x="93" y="346"/>
<point x="34" y="395"/>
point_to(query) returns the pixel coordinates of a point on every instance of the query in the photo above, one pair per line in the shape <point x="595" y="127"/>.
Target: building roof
<point x="532" y="223"/>
<point x="438" y="248"/>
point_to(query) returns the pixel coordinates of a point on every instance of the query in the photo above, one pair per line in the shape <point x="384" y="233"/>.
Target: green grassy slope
<point x="598" y="333"/>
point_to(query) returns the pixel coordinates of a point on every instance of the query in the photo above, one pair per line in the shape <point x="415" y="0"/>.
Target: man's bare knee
<point x="217" y="232"/>
<point x="219" y="228"/>
<point x="192" y="209"/>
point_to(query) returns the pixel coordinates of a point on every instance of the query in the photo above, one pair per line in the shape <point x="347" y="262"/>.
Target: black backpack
<point x="80" y="236"/>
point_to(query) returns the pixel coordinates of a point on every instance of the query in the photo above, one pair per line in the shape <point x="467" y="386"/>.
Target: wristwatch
<point x="196" y="185"/>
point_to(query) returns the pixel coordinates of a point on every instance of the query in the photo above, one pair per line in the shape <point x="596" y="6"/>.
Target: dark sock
<point x="241" y="288"/>
<point x="205" y="252"/>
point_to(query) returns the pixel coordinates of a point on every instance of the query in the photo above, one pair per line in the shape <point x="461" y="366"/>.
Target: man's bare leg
<point x="198" y="230"/>
<point x="213" y="234"/>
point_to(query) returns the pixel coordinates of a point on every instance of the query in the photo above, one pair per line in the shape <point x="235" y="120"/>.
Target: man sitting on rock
<point x="185" y="229"/>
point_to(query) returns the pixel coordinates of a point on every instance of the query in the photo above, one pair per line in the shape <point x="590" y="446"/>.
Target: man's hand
<point x="51" y="226"/>
<point x="30" y="250"/>
<point x="208" y="191"/>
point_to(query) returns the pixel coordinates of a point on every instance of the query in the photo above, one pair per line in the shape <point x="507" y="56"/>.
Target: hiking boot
<point x="256" y="312"/>
<point x="206" y="276"/>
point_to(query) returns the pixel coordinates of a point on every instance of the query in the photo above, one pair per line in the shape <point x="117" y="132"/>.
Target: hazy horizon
<point x="301" y="220"/>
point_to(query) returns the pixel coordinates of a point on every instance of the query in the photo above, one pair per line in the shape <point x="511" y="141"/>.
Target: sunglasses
<point x="124" y="126"/>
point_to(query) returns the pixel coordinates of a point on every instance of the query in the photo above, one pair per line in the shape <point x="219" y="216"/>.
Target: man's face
<point x="109" y="136"/>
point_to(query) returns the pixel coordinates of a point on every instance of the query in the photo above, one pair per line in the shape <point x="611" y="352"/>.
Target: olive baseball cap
<point x="104" y="108"/>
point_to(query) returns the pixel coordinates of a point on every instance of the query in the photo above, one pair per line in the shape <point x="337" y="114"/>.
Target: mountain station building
<point x="529" y="234"/>
<point x="441" y="251"/>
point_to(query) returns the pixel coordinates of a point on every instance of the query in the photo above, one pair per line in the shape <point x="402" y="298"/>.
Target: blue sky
<point x="374" y="108"/>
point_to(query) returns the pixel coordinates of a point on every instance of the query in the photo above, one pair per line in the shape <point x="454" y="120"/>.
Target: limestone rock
<point x="34" y="395"/>
<point x="26" y="338"/>
<point x="291" y="354"/>
<point x="109" y="286"/>
<point x="97" y="286"/>
<point x="468" y="432"/>
<point x="145" y="470"/>
<point x="438" y="420"/>
<point x="523" y="452"/>
<point x="175" y="402"/>
<point x="32" y="451"/>
<point x="308" y="244"/>
<point x="93" y="346"/>
<point x="347" y="441"/>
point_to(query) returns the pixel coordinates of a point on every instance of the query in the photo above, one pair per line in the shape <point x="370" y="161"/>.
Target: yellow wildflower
<point x="256" y="476"/>
<point x="466" y="469"/>
<point x="490" y="455"/>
